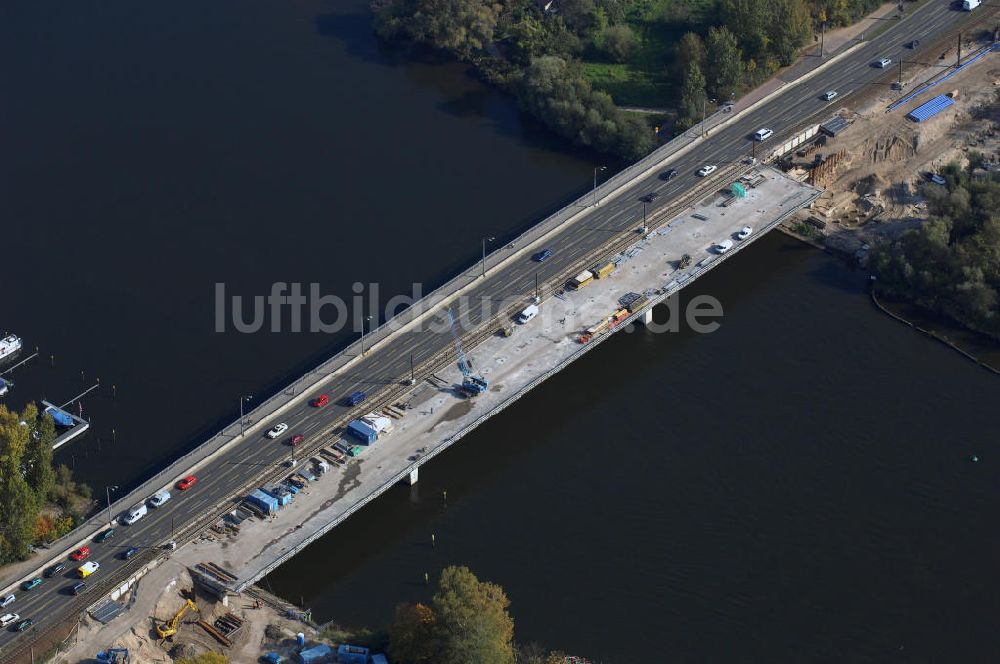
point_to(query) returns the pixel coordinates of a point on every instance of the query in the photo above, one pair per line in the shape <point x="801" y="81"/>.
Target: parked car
<point x="186" y="483"/>
<point x="32" y="583"/>
<point x="706" y="170"/>
<point x="883" y="63"/>
<point x="105" y="535"/>
<point x="937" y="179"/>
<point x="723" y="246"/>
<point x="744" y="233"/>
<point x="277" y="430"/>
<point x="159" y="498"/>
<point x="666" y="176"/>
<point x="55" y="569"/>
<point x="320" y="401"/>
<point x="296" y="439"/>
<point x="24" y="624"/>
<point x="542" y="255"/>
<point x="829" y="95"/>
<point x="80" y="553"/>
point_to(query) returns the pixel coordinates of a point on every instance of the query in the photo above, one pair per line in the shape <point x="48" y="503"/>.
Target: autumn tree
<point x="462" y="26"/>
<point x="18" y="503"/>
<point x="411" y="635"/>
<point x="471" y="620"/>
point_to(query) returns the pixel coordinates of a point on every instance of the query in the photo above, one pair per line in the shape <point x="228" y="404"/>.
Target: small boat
<point x="5" y="386"/>
<point x="9" y="345"/>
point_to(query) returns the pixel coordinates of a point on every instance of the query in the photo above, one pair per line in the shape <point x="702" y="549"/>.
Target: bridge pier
<point x="646" y="317"/>
<point x="412" y="479"/>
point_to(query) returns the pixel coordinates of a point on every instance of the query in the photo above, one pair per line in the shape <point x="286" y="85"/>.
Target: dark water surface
<point x="795" y="487"/>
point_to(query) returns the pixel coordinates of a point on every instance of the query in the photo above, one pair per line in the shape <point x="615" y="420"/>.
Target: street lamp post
<point x="367" y="318"/>
<point x="485" y="240"/>
<point x="704" y="100"/>
<point x="644" y="227"/>
<point x="107" y="494"/>
<point x="243" y="397"/>
<point x="598" y="168"/>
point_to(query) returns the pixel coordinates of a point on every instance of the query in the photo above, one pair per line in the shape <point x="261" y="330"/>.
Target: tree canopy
<point x="951" y="264"/>
<point x="467" y="621"/>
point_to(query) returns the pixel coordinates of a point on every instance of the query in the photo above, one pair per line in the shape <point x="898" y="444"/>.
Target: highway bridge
<point x="583" y="233"/>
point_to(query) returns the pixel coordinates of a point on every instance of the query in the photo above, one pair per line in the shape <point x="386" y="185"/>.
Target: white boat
<point x="9" y="346"/>
<point x="4" y="387"/>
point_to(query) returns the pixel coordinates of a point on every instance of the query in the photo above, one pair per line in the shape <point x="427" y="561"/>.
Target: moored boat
<point x="9" y="345"/>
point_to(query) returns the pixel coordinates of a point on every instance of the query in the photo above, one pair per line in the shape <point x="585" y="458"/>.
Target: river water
<point x="796" y="486"/>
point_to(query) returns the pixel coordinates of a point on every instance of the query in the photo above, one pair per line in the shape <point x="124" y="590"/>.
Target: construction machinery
<point x="169" y="628"/>
<point x="472" y="385"/>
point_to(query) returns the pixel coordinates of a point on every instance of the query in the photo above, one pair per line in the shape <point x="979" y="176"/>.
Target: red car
<point x="320" y="401"/>
<point x="80" y="553"/>
<point x="186" y="483"/>
<point x="296" y="439"/>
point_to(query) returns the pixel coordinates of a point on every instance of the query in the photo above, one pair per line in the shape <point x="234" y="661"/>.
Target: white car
<point x="159" y="498"/>
<point x="277" y="430"/>
<point x="723" y="246"/>
<point x="829" y="95"/>
<point x="763" y="134"/>
<point x="7" y="600"/>
<point x="744" y="233"/>
<point x="883" y="63"/>
<point x="8" y="618"/>
<point x="705" y="170"/>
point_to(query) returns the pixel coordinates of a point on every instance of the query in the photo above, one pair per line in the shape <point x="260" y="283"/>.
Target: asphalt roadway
<point x="389" y="363"/>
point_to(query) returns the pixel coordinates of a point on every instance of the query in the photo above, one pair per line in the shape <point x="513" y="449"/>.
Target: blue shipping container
<point x="352" y="654"/>
<point x="283" y="496"/>
<point x="262" y="500"/>
<point x="363" y="432"/>
<point x="316" y="654"/>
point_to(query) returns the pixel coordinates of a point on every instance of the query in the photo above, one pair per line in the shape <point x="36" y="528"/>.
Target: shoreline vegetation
<point x="950" y="265"/>
<point x="465" y="621"/>
<point x="39" y="502"/>
<point x="572" y="63"/>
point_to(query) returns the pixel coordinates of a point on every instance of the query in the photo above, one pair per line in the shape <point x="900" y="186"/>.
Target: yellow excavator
<point x="169" y="628"/>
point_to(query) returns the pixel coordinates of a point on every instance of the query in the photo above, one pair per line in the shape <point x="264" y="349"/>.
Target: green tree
<point x="37" y="461"/>
<point x="619" y="42"/>
<point x="18" y="504"/>
<point x="464" y="27"/>
<point x="693" y="96"/>
<point x="471" y="620"/>
<point x="689" y="49"/>
<point x="724" y="61"/>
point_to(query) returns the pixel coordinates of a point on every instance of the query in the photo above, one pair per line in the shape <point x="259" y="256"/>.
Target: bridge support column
<point x="414" y="474"/>
<point x="645" y="317"/>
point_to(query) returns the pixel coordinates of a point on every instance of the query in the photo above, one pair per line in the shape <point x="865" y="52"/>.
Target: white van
<point x="527" y="313"/>
<point x="763" y="134"/>
<point x="135" y="513"/>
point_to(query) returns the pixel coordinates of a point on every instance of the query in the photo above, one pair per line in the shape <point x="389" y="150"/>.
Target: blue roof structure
<point x="930" y="109"/>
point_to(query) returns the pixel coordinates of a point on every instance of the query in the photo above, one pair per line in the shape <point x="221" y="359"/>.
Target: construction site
<point x="876" y="161"/>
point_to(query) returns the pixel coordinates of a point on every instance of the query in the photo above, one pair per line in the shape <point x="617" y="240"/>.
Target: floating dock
<point x="78" y="427"/>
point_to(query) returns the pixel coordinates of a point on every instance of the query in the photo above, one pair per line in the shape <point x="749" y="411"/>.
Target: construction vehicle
<point x="684" y="261"/>
<point x="168" y="629"/>
<point x="472" y="385"/>
<point x="113" y="656"/>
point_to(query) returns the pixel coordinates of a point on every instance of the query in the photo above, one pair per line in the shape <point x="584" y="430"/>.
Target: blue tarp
<point x="61" y="418"/>
<point x="930" y="109"/>
<point x="320" y="653"/>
